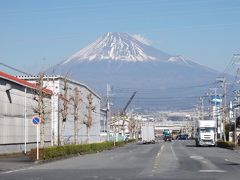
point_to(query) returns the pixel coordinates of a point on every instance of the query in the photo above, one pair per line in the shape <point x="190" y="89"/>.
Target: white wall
<point x="56" y="84"/>
<point x="12" y="118"/>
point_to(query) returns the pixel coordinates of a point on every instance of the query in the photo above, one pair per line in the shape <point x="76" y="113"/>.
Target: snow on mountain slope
<point x="122" y="47"/>
<point x="118" y="46"/>
<point x="121" y="60"/>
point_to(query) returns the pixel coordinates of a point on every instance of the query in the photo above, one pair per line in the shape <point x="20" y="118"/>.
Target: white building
<point x="56" y="84"/>
<point x="103" y="125"/>
<point x="17" y="132"/>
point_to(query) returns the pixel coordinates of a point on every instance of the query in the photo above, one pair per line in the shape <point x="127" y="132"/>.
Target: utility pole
<point x="108" y="118"/>
<point x="224" y="108"/>
<point x="202" y="107"/>
<point x="238" y="100"/>
<point x="236" y="114"/>
<point x="214" y="108"/>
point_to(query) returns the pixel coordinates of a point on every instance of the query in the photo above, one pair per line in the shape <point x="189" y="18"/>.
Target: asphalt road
<point x="163" y="160"/>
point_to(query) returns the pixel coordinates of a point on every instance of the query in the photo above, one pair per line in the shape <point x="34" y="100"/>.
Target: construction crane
<point x="122" y="116"/>
<point x="123" y="112"/>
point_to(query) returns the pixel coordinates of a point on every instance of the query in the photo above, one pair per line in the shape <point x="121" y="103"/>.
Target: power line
<point x="15" y="69"/>
<point x="150" y="90"/>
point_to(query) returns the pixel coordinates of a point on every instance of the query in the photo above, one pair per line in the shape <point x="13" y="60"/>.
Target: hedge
<point x="226" y="144"/>
<point x="66" y="150"/>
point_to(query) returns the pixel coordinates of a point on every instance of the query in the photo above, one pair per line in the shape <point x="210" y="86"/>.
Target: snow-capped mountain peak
<point x="118" y="46"/>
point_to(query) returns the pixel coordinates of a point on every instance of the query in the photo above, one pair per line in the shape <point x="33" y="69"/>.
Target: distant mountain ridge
<point x="123" y="61"/>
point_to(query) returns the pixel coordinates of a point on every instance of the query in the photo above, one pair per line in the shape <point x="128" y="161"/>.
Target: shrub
<point x="226" y="144"/>
<point x="131" y="140"/>
<point x="61" y="151"/>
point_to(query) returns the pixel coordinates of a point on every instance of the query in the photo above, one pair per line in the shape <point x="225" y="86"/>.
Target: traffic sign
<point x="36" y="120"/>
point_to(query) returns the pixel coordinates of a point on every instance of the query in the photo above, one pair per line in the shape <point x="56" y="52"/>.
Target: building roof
<point x="21" y="82"/>
<point x="48" y="77"/>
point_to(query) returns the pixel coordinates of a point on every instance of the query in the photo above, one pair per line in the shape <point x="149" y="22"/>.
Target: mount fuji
<point x="129" y="64"/>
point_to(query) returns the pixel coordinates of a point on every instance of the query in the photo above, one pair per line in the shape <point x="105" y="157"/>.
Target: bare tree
<point x="76" y="99"/>
<point x="40" y="94"/>
<point x="132" y="126"/>
<point x="114" y="125"/>
<point x="89" y="119"/>
<point x="123" y="128"/>
<point x="64" y="109"/>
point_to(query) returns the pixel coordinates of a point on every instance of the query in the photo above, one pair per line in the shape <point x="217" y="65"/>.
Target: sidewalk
<point x="14" y="161"/>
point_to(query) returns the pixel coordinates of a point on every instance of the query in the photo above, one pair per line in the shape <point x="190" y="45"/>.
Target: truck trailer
<point x="147" y="132"/>
<point x="205" y="133"/>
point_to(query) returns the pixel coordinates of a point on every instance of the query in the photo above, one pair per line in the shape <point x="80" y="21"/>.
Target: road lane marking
<point x="212" y="168"/>
<point x="16" y="170"/>
<point x="162" y="147"/>
<point x="211" y="171"/>
<point x="92" y="177"/>
<point x="174" y="154"/>
<point x="197" y="157"/>
<point x="112" y="177"/>
<point x="157" y="159"/>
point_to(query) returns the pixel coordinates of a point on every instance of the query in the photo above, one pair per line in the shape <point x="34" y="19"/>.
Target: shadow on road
<point x="232" y="164"/>
<point x="14" y="161"/>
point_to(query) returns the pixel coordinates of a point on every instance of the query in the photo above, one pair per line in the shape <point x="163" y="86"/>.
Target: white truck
<point x="205" y="133"/>
<point x="147" y="132"/>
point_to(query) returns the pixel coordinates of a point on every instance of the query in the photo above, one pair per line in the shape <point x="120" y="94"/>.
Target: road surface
<point x="163" y="160"/>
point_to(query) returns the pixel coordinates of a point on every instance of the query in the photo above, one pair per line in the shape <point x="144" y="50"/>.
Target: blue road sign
<point x="36" y="120"/>
<point x="216" y="100"/>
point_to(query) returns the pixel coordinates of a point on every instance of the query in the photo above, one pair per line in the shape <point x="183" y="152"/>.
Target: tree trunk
<point x="114" y="140"/>
<point x="63" y="132"/>
<point x="75" y="132"/>
<point x="87" y="135"/>
<point x="41" y="134"/>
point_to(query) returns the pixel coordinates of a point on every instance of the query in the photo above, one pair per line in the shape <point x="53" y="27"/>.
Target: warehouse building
<point x="17" y="133"/>
<point x="86" y="110"/>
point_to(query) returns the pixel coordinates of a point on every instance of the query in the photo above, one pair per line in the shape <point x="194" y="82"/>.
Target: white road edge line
<point x="174" y="154"/>
<point x="17" y="170"/>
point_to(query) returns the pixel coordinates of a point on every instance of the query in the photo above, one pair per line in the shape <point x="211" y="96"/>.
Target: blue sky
<point x="38" y="34"/>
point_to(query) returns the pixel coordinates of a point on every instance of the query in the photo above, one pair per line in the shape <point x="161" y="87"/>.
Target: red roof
<point x="22" y="82"/>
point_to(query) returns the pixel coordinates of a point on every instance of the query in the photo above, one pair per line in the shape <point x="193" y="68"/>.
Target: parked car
<point x="182" y="137"/>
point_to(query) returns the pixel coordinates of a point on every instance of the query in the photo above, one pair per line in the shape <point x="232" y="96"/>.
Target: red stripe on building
<point x="22" y="82"/>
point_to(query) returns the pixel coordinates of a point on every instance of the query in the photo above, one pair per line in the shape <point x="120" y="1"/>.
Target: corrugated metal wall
<point x="12" y="115"/>
<point x="94" y="131"/>
<point x="56" y="84"/>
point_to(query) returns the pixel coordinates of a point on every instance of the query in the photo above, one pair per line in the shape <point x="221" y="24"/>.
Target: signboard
<point x="216" y="100"/>
<point x="36" y="120"/>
